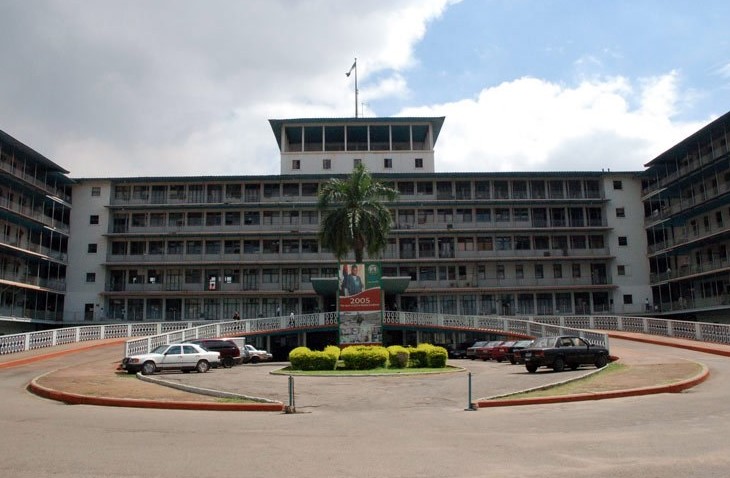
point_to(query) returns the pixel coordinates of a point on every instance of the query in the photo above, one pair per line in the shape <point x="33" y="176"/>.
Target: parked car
<point x="253" y="355"/>
<point x="515" y="354"/>
<point x="499" y="353"/>
<point x="485" y="352"/>
<point x="185" y="357"/>
<point x="229" y="351"/>
<point x="471" y="352"/>
<point x="563" y="351"/>
<point x="458" y="351"/>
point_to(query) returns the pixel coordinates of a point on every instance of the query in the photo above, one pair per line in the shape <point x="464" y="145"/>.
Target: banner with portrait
<point x="360" y="303"/>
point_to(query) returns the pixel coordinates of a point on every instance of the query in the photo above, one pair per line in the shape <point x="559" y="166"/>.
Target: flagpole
<point x="354" y="67"/>
<point x="355" y="87"/>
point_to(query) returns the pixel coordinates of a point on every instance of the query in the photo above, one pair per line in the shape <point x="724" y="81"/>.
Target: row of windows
<point x="275" y="275"/>
<point x="444" y="189"/>
<point x="407" y="247"/>
<point x="296" y="164"/>
<point x="403" y="218"/>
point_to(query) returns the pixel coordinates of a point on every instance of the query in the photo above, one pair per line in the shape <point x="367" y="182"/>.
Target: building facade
<point x="35" y="208"/>
<point x="686" y="194"/>
<point x="190" y="248"/>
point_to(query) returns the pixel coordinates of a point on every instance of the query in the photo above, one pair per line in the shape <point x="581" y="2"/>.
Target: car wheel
<point x="531" y="368"/>
<point x="559" y="364"/>
<point x="499" y="360"/>
<point x="255" y="360"/>
<point x="185" y="370"/>
<point x="512" y="361"/>
<point x="601" y="361"/>
<point x="202" y="366"/>
<point x="148" y="368"/>
<point x="574" y="366"/>
<point x="227" y="362"/>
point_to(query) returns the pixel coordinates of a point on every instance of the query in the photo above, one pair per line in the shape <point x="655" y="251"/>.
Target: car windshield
<point x="544" y="342"/>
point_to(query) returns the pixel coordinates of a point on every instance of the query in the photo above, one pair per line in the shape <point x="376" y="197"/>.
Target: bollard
<point x="291" y="408"/>
<point x="471" y="406"/>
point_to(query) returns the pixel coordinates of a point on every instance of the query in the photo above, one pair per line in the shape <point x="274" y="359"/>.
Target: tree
<point x="355" y="215"/>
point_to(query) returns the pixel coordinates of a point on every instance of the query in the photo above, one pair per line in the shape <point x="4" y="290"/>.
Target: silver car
<point x="185" y="357"/>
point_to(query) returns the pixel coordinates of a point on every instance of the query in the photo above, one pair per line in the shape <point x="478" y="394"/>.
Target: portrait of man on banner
<point x="352" y="280"/>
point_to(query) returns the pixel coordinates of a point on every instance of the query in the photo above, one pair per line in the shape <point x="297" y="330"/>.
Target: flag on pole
<point x="354" y="65"/>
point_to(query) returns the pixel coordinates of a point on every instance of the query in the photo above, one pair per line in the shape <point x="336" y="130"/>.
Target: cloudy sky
<point x="185" y="87"/>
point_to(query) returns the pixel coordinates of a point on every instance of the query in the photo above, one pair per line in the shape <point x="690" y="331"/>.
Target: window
<point x="628" y="299"/>
<point x="296" y="164"/>
<point x="539" y="274"/>
<point x="326" y="164"/>
<point x="576" y="271"/>
<point x="621" y="270"/>
<point x="91" y="249"/>
<point x="94" y="219"/>
<point x="557" y="271"/>
<point x="419" y="163"/>
<point x="620" y="212"/>
<point x="95" y="191"/>
<point x="90" y="277"/>
<point x="388" y="163"/>
<point x="618" y="184"/>
<point x="519" y="271"/>
<point x="356" y="162"/>
<point x="623" y="241"/>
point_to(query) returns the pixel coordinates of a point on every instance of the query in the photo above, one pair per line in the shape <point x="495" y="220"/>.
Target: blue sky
<point x="181" y="87"/>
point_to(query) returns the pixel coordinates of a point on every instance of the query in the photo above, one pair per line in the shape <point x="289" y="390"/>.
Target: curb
<point x="579" y="397"/>
<point x="78" y="399"/>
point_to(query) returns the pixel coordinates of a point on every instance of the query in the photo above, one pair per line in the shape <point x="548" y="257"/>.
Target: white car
<point x="185" y="357"/>
<point x="253" y="355"/>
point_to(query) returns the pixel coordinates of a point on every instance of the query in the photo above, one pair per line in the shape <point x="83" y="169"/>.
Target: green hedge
<point x="398" y="356"/>
<point x="364" y="357"/>
<point x="302" y="358"/>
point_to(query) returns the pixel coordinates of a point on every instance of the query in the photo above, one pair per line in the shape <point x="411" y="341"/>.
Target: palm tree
<point x="355" y="216"/>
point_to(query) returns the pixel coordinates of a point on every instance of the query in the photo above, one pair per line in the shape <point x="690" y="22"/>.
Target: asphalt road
<point x="373" y="428"/>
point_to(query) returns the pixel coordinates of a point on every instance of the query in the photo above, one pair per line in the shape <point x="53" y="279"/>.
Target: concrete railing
<point x="150" y="335"/>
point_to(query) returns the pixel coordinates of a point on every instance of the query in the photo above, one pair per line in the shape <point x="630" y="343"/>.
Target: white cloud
<point x="131" y="89"/>
<point x="533" y="125"/>
<point x="182" y="88"/>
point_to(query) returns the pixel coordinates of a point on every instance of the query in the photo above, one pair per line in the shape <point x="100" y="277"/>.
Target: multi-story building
<point x="686" y="194"/>
<point x="186" y="248"/>
<point x="35" y="207"/>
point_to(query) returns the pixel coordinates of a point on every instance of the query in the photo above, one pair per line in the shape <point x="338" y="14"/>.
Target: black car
<point x="514" y="355"/>
<point x="457" y="351"/>
<point x="229" y="351"/>
<point x="563" y="351"/>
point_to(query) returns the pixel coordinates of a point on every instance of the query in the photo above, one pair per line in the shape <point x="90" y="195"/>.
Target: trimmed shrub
<point x="418" y="356"/>
<point x="334" y="351"/>
<point x="398" y="356"/>
<point x="298" y="357"/>
<point x="364" y="357"/>
<point x="302" y="358"/>
<point x="437" y="357"/>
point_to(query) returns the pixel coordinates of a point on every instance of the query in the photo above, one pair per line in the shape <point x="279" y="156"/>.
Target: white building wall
<point x="79" y="292"/>
<point x="342" y="162"/>
<point x="632" y="257"/>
